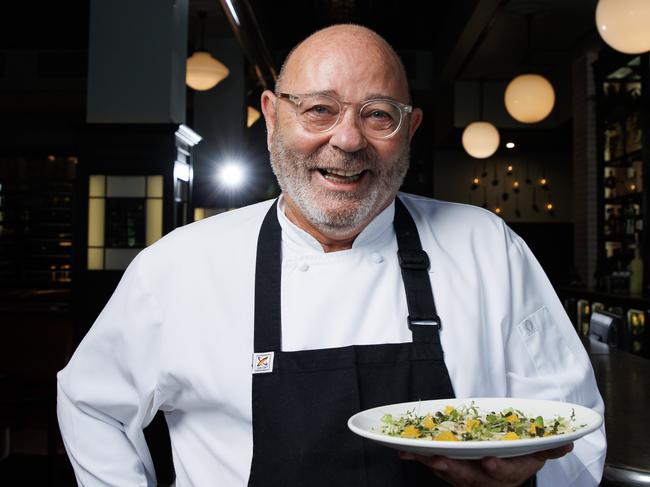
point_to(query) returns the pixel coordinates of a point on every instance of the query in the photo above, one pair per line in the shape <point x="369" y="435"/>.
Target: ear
<point x="416" y="120"/>
<point x="270" y="114"/>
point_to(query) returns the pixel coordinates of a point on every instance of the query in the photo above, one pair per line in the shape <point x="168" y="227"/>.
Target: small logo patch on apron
<point x="262" y="362"/>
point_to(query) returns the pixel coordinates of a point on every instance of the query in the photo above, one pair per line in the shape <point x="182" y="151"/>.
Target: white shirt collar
<point x="375" y="229"/>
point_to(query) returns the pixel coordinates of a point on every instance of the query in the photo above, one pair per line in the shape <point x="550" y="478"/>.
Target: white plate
<point x="368" y="425"/>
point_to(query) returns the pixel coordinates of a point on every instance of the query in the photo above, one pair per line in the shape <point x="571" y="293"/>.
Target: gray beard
<point x="294" y="171"/>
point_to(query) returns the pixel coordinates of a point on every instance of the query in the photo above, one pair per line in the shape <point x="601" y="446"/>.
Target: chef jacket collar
<point x="381" y="224"/>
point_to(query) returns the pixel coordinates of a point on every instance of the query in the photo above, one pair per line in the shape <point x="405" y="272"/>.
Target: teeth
<point x="346" y="179"/>
<point x="341" y="176"/>
<point x="345" y="174"/>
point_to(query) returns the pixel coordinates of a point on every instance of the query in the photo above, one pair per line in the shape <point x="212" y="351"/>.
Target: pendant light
<point x="529" y="97"/>
<point x="203" y="71"/>
<point x="624" y="24"/>
<point x="480" y="139"/>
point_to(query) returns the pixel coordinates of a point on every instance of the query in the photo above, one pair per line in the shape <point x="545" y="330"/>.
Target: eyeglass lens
<point x="319" y="113"/>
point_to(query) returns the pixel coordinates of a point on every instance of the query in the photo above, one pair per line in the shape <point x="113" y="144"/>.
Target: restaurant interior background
<point x="105" y="148"/>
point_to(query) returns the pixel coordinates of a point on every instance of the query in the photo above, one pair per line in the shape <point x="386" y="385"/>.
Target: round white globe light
<point x="529" y="98"/>
<point x="480" y="139"/>
<point x="231" y="175"/>
<point x="204" y="71"/>
<point x="624" y="24"/>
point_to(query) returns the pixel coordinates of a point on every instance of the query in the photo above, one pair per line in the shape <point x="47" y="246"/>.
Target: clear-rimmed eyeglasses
<point x="379" y="118"/>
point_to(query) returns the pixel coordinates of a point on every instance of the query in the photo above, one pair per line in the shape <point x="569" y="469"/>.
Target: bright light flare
<point x="231" y="175"/>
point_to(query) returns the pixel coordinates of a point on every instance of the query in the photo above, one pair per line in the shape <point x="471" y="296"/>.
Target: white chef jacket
<point x="177" y="335"/>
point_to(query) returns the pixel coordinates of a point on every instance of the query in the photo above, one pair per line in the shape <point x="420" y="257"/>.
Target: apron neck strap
<point x="423" y="319"/>
<point x="268" y="284"/>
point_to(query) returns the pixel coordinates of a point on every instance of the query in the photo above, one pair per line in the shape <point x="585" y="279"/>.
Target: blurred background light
<point x="480" y="139"/>
<point x="624" y="24"/>
<point x="231" y="175"/>
<point x="529" y="98"/>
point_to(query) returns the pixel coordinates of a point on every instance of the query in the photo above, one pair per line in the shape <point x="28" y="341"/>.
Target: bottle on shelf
<point x="609" y="141"/>
<point x="584" y="314"/>
<point x="638" y="175"/>
<point x="608" y="227"/>
<point x="614" y="142"/>
<point x="633" y="133"/>
<point x="636" y="271"/>
<point x="630" y="220"/>
<point x="610" y="184"/>
<point x="612" y="221"/>
<point x="636" y="320"/>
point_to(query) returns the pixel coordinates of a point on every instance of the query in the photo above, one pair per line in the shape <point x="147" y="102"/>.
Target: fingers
<point x="507" y="468"/>
<point x="489" y="471"/>
<point x="456" y="472"/>
<point x="510" y="470"/>
<point x="555" y="452"/>
<point x="434" y="462"/>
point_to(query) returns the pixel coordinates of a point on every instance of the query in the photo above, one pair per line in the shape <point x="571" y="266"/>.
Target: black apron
<point x="302" y="400"/>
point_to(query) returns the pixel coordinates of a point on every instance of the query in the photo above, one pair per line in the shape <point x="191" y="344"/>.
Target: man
<point x="330" y="293"/>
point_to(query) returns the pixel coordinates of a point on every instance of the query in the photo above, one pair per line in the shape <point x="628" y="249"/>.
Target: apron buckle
<point x="416" y="260"/>
<point x="435" y="321"/>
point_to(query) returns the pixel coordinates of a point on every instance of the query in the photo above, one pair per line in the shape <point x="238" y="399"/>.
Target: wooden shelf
<point x="36" y="218"/>
<point x="624" y="199"/>
<point x="625" y="160"/>
<point x="619" y="238"/>
<point x="614" y="119"/>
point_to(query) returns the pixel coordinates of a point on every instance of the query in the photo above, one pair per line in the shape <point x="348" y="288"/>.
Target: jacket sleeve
<point x="545" y="359"/>
<point x="107" y="393"/>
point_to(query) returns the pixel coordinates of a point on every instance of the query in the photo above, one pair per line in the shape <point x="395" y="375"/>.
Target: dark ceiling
<point x="44" y="25"/>
<point x="400" y="21"/>
<point x="461" y="40"/>
<point x="467" y="38"/>
<point x="492" y="40"/>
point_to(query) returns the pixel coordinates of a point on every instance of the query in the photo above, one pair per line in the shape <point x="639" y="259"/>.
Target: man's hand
<point x="490" y="471"/>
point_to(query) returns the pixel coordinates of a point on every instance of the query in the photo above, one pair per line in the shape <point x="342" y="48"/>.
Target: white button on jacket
<point x="177" y="335"/>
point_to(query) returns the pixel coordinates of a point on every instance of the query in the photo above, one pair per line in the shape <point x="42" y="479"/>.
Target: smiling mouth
<point x="340" y="176"/>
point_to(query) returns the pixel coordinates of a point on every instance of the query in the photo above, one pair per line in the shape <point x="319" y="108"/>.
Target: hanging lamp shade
<point x="253" y="116"/>
<point x="529" y="98"/>
<point x="480" y="139"/>
<point x="204" y="72"/>
<point x="624" y="24"/>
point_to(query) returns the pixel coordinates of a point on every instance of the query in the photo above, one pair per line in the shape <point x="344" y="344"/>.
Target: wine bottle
<point x="636" y="272"/>
<point x="613" y="221"/>
<point x="610" y="184"/>
<point x="630" y="220"/>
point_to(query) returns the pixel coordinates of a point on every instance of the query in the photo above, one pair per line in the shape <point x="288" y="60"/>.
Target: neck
<point x="330" y="243"/>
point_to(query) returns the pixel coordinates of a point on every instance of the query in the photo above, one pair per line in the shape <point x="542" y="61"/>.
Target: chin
<point x="341" y="219"/>
<point x="336" y="232"/>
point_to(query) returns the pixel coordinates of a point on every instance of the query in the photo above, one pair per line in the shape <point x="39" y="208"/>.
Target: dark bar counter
<point x="624" y="382"/>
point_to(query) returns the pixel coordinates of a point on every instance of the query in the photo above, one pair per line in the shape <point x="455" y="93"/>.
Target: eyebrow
<point x="371" y="96"/>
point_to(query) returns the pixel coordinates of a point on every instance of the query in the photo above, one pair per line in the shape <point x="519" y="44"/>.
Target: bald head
<point x="344" y="40"/>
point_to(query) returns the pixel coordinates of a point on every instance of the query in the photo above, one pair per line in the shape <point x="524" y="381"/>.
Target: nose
<point x="347" y="134"/>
